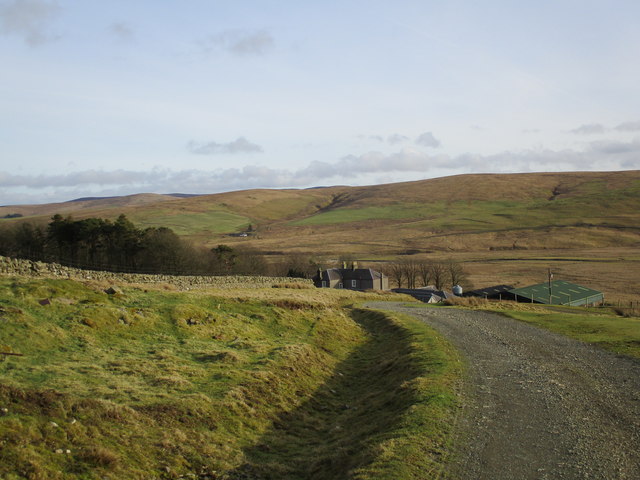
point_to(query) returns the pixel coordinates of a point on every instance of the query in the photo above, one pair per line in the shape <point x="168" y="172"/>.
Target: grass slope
<point x="216" y="384"/>
<point x="616" y="334"/>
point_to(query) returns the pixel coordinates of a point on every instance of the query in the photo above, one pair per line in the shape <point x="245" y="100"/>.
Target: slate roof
<point x="351" y="274"/>
<point x="331" y="274"/>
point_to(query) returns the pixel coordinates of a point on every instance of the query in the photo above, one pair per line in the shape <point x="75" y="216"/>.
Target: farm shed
<point x="495" y="292"/>
<point x="426" y="295"/>
<point x="557" y="292"/>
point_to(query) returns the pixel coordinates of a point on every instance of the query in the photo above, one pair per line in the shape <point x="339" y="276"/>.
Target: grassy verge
<point x="216" y="384"/>
<point x="418" y="443"/>
<point x="618" y="334"/>
<point x="386" y="413"/>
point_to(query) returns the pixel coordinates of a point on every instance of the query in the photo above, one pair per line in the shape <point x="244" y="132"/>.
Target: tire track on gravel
<point x="538" y="405"/>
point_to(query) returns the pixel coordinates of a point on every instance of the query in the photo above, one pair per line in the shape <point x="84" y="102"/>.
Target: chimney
<point x="344" y="265"/>
<point x="354" y="265"/>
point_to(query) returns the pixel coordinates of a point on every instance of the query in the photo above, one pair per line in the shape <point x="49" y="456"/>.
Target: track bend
<point x="538" y="405"/>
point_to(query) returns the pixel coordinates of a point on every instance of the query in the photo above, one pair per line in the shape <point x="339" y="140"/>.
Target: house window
<point x="340" y="285"/>
<point x="324" y="284"/>
<point x="353" y="284"/>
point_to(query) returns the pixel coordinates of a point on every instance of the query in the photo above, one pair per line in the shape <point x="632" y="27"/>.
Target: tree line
<point x="422" y="273"/>
<point x="120" y="246"/>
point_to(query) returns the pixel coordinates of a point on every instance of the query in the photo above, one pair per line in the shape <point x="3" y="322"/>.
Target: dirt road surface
<point x="538" y="405"/>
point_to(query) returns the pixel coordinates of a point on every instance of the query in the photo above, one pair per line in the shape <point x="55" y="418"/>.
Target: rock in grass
<point x="112" y="291"/>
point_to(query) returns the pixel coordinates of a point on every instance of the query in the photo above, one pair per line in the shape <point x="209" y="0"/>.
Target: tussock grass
<point x="159" y="384"/>
<point x="299" y="286"/>
<point x="466" y="302"/>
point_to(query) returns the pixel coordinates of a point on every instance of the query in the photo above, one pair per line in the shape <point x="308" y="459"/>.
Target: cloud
<point x="87" y="177"/>
<point x="121" y="31"/>
<point x="408" y="163"/>
<point x="629" y="127"/>
<point x="392" y="139"/>
<point x="589" y="129"/>
<point x="28" y="19"/>
<point x="616" y="147"/>
<point x="240" y="145"/>
<point x="428" y="140"/>
<point x="396" y="138"/>
<point x="239" y="42"/>
<point x="407" y="160"/>
<point x="377" y="138"/>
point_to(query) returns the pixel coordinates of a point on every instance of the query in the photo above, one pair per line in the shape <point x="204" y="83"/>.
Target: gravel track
<point x="538" y="405"/>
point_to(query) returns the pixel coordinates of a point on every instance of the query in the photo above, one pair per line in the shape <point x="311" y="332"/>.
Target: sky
<point x="203" y="96"/>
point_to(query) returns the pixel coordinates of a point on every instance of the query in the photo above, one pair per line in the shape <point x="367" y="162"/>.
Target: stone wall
<point x="17" y="267"/>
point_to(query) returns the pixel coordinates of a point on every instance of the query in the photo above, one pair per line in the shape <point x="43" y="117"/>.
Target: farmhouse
<point x="351" y="278"/>
<point x="557" y="292"/>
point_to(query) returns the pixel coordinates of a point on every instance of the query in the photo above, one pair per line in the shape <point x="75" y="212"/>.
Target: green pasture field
<point x="347" y="215"/>
<point x="494" y="215"/>
<point x="193" y="223"/>
<point x="149" y="382"/>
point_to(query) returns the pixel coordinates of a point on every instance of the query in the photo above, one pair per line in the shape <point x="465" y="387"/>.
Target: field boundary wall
<point x="20" y="267"/>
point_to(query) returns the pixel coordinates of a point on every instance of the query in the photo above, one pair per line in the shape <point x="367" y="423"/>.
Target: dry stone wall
<point x="18" y="267"/>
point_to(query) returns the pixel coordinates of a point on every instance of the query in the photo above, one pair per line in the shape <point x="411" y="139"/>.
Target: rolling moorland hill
<point x="489" y="220"/>
<point x="465" y="212"/>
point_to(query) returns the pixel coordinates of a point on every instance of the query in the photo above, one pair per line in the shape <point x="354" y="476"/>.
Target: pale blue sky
<point x="109" y="98"/>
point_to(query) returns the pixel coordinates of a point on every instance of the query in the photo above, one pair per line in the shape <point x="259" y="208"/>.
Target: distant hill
<point x="458" y="213"/>
<point x="87" y="204"/>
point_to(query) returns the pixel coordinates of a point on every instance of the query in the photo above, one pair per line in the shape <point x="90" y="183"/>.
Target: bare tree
<point x="410" y="269"/>
<point x="395" y="271"/>
<point x="424" y="271"/>
<point x="439" y="274"/>
<point x="457" y="274"/>
<point x="251" y="263"/>
<point x="297" y="265"/>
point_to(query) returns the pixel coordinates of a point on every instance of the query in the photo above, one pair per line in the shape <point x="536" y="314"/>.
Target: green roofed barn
<point x="558" y="292"/>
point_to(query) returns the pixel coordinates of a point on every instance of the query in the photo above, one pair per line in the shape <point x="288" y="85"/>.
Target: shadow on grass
<point x="340" y="428"/>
